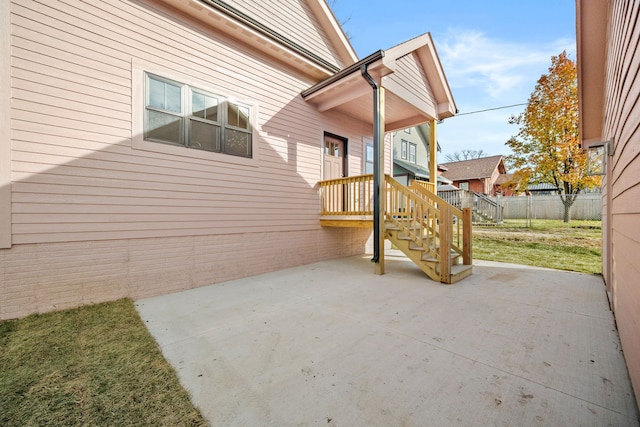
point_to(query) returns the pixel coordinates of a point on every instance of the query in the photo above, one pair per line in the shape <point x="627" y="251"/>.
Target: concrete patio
<point x="333" y="344"/>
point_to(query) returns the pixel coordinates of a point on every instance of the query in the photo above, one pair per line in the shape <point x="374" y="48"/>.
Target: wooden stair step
<point x="428" y="258"/>
<point x="459" y="272"/>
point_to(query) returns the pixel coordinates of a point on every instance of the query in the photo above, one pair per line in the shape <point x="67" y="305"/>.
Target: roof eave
<point x="591" y="37"/>
<point x="234" y="23"/>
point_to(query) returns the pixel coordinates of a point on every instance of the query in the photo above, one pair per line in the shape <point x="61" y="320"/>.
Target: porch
<point x="435" y="235"/>
<point x="329" y="344"/>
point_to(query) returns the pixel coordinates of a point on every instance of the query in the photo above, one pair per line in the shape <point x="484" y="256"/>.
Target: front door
<point x="333" y="157"/>
<point x="334" y="154"/>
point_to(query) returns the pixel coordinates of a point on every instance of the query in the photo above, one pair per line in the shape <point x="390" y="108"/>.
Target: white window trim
<point x="138" y="104"/>
<point x="415" y="153"/>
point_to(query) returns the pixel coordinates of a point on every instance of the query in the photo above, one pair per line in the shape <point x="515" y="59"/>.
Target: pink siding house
<point x="609" y="95"/>
<point x="151" y="146"/>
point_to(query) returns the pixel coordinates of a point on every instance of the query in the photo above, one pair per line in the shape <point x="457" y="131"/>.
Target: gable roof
<point x="472" y="169"/>
<point x="416" y="89"/>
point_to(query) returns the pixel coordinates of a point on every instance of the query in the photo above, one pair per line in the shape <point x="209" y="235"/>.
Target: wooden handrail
<point x="429" y="186"/>
<point x="417" y="218"/>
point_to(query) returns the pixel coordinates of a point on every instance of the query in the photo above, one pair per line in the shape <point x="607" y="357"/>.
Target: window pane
<point x="237" y="116"/>
<point x="164" y="96"/>
<point x="197" y="104"/>
<point x="174" y="98"/>
<point x="243" y="117"/>
<point x="156" y="93"/>
<point x="204" y="136"/>
<point x="212" y="108"/>
<point x="205" y="107"/>
<point x="164" y="127"/>
<point x="368" y="158"/>
<point x="232" y="114"/>
<point x="237" y="143"/>
<point x="369" y="155"/>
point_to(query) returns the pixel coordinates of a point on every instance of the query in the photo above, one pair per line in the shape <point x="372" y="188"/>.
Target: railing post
<point x="446" y="230"/>
<point x="467" y="236"/>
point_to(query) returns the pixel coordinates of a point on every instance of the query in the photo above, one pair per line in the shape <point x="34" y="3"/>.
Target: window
<point x="412" y="153"/>
<point x="179" y="114"/>
<point x="368" y="158"/>
<point x="464" y="186"/>
<point x="403" y="149"/>
<point x="332" y="148"/>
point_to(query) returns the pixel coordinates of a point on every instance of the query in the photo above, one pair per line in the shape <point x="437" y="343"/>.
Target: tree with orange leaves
<point x="547" y="148"/>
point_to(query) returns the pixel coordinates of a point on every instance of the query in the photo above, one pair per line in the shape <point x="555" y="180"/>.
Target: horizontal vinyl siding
<point x="75" y="174"/>
<point x="622" y="123"/>
<point x="292" y="19"/>
<point x="410" y="76"/>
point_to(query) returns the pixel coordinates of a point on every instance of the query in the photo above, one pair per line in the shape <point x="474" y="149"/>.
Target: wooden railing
<point x="441" y="230"/>
<point x="482" y="206"/>
<point x="417" y="218"/>
<point x="458" y="221"/>
<point x="429" y="186"/>
<point x="351" y="195"/>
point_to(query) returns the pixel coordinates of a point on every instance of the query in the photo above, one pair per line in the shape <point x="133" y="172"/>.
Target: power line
<point x="490" y="109"/>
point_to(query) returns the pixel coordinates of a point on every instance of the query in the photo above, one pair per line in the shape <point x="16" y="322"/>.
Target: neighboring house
<point x="542" y="189"/>
<point x="404" y="172"/>
<point x="151" y="146"/>
<point x="485" y="175"/>
<point x="411" y="155"/>
<point x="609" y="95"/>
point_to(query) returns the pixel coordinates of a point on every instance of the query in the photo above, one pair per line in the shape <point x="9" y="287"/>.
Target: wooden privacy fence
<point x="586" y="207"/>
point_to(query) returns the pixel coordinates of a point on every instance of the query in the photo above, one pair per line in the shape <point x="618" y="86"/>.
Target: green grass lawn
<point x="575" y="246"/>
<point x="93" y="366"/>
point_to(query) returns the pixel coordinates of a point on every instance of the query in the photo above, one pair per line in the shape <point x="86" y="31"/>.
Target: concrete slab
<point x="333" y="344"/>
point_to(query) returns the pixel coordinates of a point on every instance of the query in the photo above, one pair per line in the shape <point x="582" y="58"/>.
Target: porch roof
<point x="416" y="88"/>
<point x="417" y="170"/>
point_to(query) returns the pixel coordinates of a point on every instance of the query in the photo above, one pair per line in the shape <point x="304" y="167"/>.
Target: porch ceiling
<point x="416" y="89"/>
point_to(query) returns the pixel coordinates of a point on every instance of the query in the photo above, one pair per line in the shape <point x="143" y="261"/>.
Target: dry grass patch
<point x="95" y="365"/>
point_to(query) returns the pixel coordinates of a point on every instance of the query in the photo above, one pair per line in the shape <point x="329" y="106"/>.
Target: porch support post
<point x="382" y="182"/>
<point x="379" y="181"/>
<point x="433" y="153"/>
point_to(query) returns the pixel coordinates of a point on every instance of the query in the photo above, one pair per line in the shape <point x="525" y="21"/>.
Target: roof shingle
<point x="472" y="169"/>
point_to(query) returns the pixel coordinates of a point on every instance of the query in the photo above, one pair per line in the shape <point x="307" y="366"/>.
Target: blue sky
<point x="492" y="52"/>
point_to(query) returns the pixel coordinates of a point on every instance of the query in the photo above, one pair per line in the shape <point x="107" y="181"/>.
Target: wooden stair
<point x="434" y="234"/>
<point x="427" y="259"/>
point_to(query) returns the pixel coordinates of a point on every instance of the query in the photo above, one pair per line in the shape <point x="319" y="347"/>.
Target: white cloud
<point x="486" y="73"/>
<point x="494" y="67"/>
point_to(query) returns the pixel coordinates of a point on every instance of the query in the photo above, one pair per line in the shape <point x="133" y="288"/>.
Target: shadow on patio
<point x="333" y="344"/>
